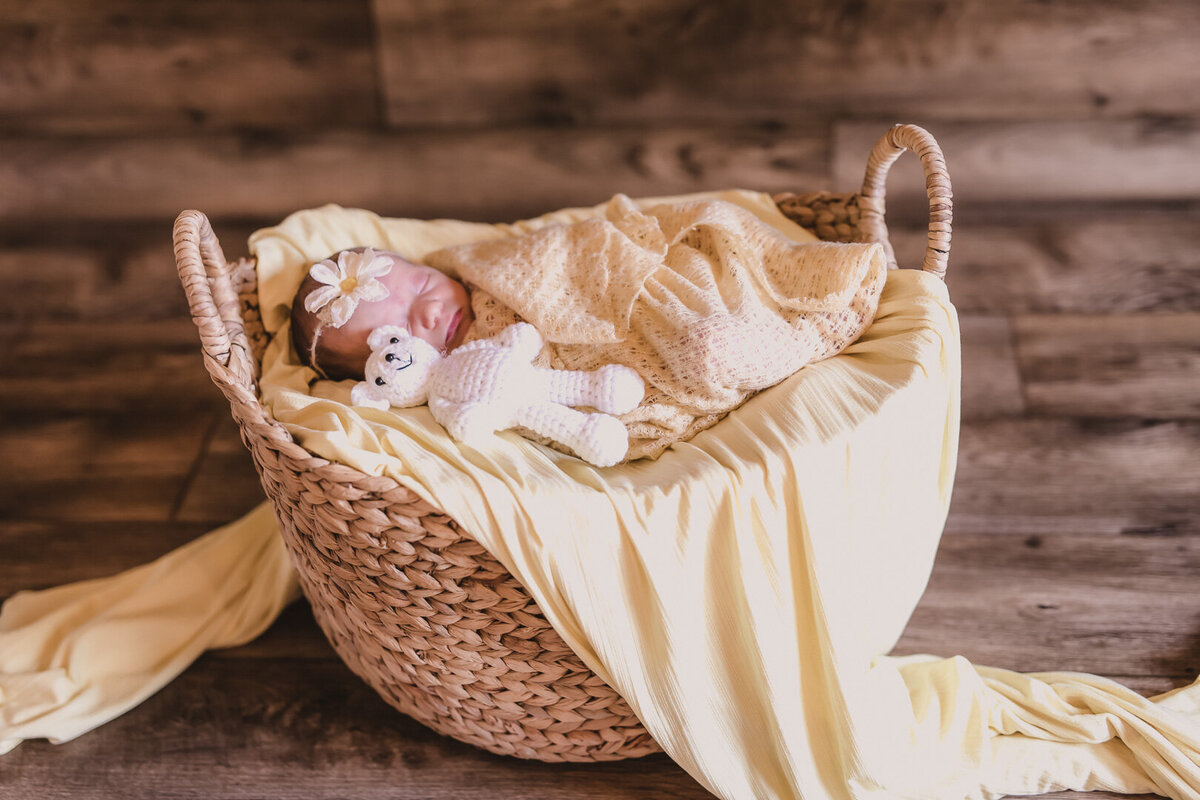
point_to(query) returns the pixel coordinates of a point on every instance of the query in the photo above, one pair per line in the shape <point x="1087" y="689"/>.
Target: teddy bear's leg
<point x="613" y="389"/>
<point x="596" y="438"/>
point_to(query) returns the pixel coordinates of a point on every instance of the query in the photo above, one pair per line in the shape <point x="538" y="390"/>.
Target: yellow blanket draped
<point x="739" y="591"/>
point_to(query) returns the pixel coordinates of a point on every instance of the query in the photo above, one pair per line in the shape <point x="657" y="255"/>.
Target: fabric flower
<point x="353" y="279"/>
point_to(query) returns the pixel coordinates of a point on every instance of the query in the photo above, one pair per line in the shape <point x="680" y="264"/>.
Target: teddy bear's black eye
<point x="394" y="340"/>
<point x="379" y="381"/>
<point x="389" y="357"/>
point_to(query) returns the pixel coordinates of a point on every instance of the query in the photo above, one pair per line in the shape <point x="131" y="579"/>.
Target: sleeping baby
<point x="707" y="302"/>
<point x="348" y="295"/>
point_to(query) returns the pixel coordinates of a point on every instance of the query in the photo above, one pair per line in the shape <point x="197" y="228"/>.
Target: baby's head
<point x="349" y="294"/>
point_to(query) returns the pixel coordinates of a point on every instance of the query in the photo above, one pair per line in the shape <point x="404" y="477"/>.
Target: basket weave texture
<point x="411" y="602"/>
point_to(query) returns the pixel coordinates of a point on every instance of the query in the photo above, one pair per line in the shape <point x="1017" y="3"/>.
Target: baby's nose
<point x="429" y="313"/>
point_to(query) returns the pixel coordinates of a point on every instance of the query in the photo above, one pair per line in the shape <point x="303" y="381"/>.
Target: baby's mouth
<point x="452" y="328"/>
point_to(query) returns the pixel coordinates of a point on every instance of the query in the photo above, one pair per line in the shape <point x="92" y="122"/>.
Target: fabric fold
<point x="983" y="732"/>
<point x="576" y="283"/>
<point x="75" y="656"/>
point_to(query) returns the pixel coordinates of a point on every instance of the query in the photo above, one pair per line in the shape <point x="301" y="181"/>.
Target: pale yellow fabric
<point x="704" y="299"/>
<point x="739" y="590"/>
<point x="75" y="656"/>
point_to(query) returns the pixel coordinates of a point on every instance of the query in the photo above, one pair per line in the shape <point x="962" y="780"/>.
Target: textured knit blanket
<point x="708" y="302"/>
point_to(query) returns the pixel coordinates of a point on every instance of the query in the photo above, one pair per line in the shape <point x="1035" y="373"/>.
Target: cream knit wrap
<point x="705" y="300"/>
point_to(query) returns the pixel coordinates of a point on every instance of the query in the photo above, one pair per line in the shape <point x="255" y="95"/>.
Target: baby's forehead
<point x="403" y="269"/>
<point x="399" y="262"/>
<point x="403" y="280"/>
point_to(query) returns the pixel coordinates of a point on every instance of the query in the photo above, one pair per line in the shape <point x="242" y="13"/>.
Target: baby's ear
<point x="384" y="334"/>
<point x="363" y="394"/>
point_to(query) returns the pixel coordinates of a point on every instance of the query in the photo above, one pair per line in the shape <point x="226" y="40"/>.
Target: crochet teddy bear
<point x="490" y="385"/>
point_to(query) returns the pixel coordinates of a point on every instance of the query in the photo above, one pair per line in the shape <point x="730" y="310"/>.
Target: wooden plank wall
<point x="1071" y="130"/>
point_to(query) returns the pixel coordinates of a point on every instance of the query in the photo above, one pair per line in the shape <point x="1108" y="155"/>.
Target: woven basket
<point x="411" y="602"/>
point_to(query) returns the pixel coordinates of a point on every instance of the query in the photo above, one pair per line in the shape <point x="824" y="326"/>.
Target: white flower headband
<point x="354" y="278"/>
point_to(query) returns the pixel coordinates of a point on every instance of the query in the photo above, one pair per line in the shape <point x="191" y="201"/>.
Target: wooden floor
<point x="1073" y="543"/>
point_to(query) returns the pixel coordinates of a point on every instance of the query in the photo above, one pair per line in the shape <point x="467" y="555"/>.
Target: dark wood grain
<point x="123" y="66"/>
<point x="493" y="175"/>
<point x="1038" y="161"/>
<point x="40" y="553"/>
<point x="588" y="63"/>
<point x="991" y="381"/>
<point x="474" y="174"/>
<point x="1085" y="476"/>
<point x="1144" y="365"/>
<point x="1077" y="258"/>
<point x="102" y="421"/>
<point x="73" y="270"/>
<point x="223" y="483"/>
<point x="1115" y="605"/>
<point x="293" y="729"/>
<point x="121" y="368"/>
<point x="126" y="465"/>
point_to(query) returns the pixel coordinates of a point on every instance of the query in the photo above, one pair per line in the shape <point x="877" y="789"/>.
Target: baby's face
<point x="432" y="306"/>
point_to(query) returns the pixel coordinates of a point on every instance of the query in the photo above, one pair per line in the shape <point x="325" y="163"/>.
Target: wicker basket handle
<point x="211" y="297"/>
<point x="937" y="188"/>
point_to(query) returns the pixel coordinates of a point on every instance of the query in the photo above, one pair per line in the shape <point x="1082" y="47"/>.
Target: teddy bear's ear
<point x="383" y="335"/>
<point x="363" y="394"/>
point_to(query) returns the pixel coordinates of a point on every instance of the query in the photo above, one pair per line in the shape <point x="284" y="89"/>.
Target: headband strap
<point x="312" y="350"/>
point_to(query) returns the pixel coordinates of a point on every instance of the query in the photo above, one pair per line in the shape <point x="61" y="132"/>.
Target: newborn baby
<point x="355" y="291"/>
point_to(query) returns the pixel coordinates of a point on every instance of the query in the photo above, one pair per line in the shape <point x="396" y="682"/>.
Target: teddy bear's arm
<point x="522" y="338"/>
